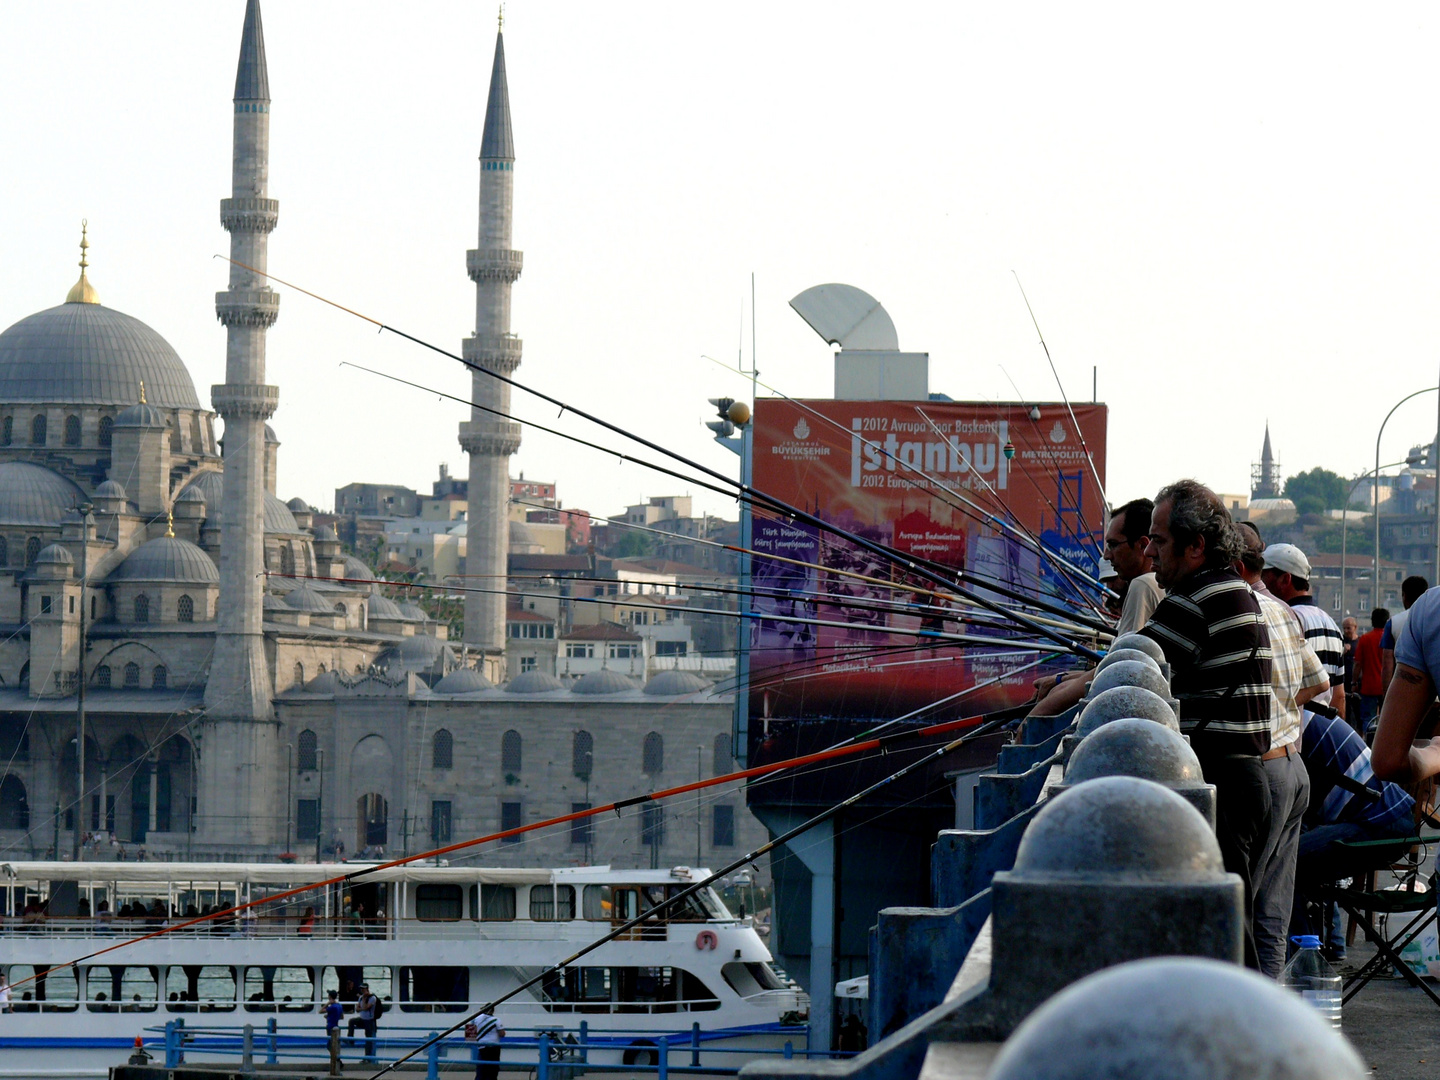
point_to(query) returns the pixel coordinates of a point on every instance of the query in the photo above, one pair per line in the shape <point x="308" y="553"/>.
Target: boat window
<point x="492" y="902"/>
<point x="748" y="979"/>
<point x="53" y="989"/>
<point x="346" y="982"/>
<point x="626" y="990"/>
<point x="197" y="988"/>
<point x="439" y="902"/>
<point x="279" y="989"/>
<point x="112" y="988"/>
<point x="434" y="989"/>
<point x="598" y="904"/>
<point x="585" y="990"/>
<point x="552" y="903"/>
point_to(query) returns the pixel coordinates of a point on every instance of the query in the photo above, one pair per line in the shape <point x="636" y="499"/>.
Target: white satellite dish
<point x="846" y="316"/>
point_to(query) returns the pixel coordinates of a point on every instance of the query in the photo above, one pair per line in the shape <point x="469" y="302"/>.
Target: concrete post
<point x="816" y="850"/>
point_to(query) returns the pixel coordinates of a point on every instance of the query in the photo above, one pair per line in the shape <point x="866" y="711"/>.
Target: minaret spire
<point x="494" y="266"/>
<point x="82" y="292"/>
<point x="239" y="686"/>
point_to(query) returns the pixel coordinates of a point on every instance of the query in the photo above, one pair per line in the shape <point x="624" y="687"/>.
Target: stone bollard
<point x="1144" y="749"/>
<point x="1177" y="1019"/>
<point x="1149" y="646"/>
<point x="1115" y="656"/>
<point x="1119" y="703"/>
<point x="1127" y="673"/>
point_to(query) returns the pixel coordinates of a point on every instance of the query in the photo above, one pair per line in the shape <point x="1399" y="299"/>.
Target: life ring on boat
<point x="706" y="939"/>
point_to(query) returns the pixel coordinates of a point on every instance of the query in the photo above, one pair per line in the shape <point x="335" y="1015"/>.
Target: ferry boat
<point x="428" y="939"/>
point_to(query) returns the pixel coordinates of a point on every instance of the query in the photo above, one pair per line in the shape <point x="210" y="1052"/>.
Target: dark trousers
<point x="489" y="1066"/>
<point x="1323" y="862"/>
<point x="1242" y="822"/>
<point x="368" y="1026"/>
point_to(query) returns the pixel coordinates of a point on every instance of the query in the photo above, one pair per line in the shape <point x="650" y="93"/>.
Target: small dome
<point x="111" y="489"/>
<point x="382" y="607"/>
<point x="270" y="437"/>
<point x="1118" y="825"/>
<point x="55" y="555"/>
<point x="142" y="415"/>
<point x="275" y="603"/>
<point x="32" y="495"/>
<point x="306" y="597"/>
<point x="534" y="682"/>
<point x="1181" y="1018"/>
<point x="420" y="653"/>
<point x="1115" y="656"/>
<point x="463" y="680"/>
<point x="167" y="558"/>
<point x="674" y="683"/>
<point x="413" y="612"/>
<point x="603" y="681"/>
<point x="327" y="682"/>
<point x="189" y="495"/>
<point x="1126" y="703"/>
<point x="354" y="568"/>
<point x="211" y="484"/>
<point x="325" y="532"/>
<point x="1147" y="645"/>
<point x="300" y="504"/>
<point x="1135" y="747"/>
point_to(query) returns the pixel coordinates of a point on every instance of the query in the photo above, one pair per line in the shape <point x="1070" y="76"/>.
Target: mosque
<point x="236" y="704"/>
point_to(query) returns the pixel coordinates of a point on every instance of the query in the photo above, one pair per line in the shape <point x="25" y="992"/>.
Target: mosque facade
<point x="247" y="689"/>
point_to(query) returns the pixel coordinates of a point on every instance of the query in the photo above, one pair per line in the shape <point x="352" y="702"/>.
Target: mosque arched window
<point x="14" y="806"/>
<point x="442" y="750"/>
<point x="37" y="430"/>
<point x="305" y="751"/>
<point x="582" y="755"/>
<point x="7" y="431"/>
<point x="510" y="757"/>
<point x="159" y="678"/>
<point x="287" y="559"/>
<point x="4" y="552"/>
<point x="142" y="608"/>
<point x="102" y="676"/>
<point x="107" y="430"/>
<point x="723" y="757"/>
<point x="132" y="676"/>
<point x="72" y="430"/>
<point x="299" y="673"/>
<point x="32" y="550"/>
<point x="185" y="608"/>
<point x="652" y="754"/>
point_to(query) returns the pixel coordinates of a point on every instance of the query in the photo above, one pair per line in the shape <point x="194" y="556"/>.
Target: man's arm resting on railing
<point x="1395" y="755"/>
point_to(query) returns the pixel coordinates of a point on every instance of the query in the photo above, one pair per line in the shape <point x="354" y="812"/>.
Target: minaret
<point x="1265" y="479"/>
<point x="488" y="440"/>
<point x="238" y="692"/>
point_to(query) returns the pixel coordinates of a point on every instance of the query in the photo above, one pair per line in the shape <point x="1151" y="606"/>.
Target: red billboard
<point x="881" y="469"/>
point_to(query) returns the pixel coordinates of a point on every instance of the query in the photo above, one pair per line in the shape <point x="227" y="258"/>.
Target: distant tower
<point x="489" y="441"/>
<point x="238" y="692"/>
<point x="1265" y="475"/>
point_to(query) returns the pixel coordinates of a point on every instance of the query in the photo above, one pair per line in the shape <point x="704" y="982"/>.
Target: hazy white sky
<point x="1231" y="213"/>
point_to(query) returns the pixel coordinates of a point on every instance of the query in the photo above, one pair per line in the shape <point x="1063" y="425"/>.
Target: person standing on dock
<point x="486" y="1032"/>
<point x="334" y="1013"/>
<point x="1216" y="642"/>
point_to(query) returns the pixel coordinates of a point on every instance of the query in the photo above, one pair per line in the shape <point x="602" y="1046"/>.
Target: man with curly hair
<point x="1215" y="639"/>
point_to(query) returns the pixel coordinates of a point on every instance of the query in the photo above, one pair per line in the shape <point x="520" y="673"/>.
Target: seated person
<point x="1347" y="803"/>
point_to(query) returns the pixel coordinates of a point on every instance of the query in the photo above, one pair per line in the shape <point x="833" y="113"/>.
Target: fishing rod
<point x="979" y="580"/>
<point x="1095" y="473"/>
<point x="777" y="504"/>
<point x="979" y="513"/>
<point x="845" y="749"/>
<point x="654" y="913"/>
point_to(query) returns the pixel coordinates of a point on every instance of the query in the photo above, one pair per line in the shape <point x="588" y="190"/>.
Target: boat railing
<point x="555" y="1053"/>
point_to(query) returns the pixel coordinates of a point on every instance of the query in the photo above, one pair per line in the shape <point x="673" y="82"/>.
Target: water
<point x="1310" y="975"/>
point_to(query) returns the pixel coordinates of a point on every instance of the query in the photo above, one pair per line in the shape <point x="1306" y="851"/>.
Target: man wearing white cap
<point x="1286" y="573"/>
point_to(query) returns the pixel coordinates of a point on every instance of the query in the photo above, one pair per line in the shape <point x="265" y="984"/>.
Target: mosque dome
<point x="534" y="682"/>
<point x="413" y="612"/>
<point x="167" y="558"/>
<point x="141" y="415"/>
<point x="356" y="569"/>
<point x="82" y="353"/>
<point x="190" y="494"/>
<point x="33" y="495"/>
<point x="56" y="555"/>
<point x="673" y="683"/>
<point x="420" y="653"/>
<point x="113" y="489"/>
<point x="465" y="680"/>
<point x="298" y="503"/>
<point x="307" y="598"/>
<point x="603" y="681"/>
<point x="211" y="485"/>
<point x="382" y="607"/>
<point x="325" y="532"/>
<point x="275" y="603"/>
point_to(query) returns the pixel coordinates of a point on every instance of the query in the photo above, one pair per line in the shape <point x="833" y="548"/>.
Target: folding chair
<point x="1361" y="900"/>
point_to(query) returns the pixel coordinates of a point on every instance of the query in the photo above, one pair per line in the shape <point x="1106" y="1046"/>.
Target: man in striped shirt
<point x="1216" y="642"/>
<point x="1287" y="575"/>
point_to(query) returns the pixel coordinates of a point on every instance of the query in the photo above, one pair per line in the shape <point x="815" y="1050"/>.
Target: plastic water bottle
<point x="1310" y="975"/>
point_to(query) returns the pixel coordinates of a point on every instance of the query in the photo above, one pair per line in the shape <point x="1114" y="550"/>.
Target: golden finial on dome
<point x="82" y="292"/>
<point x="502" y="18"/>
<point x="170" y="523"/>
<point x="142" y="391"/>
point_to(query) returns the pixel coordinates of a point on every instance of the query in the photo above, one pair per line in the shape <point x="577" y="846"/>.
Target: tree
<point x="1316" y="491"/>
<point x="634" y="545"/>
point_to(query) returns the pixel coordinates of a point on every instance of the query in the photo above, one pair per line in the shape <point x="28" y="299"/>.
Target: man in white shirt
<point x="486" y="1031"/>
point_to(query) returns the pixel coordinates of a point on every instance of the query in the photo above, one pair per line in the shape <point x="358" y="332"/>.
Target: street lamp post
<point x="319" y="802"/>
<point x="289" y="802"/>
<point x="1345" y="524"/>
<point x="86" y="520"/>
<point x="1375" y="488"/>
